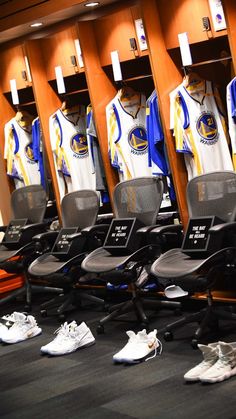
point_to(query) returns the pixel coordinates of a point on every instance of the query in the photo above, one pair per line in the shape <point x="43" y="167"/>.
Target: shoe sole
<point x="223" y="377"/>
<point x="65" y="353"/>
<point x="36" y="333"/>
<point x="134" y="361"/>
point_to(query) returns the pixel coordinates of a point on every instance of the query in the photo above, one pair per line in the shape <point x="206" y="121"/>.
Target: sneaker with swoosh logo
<point x="140" y="347"/>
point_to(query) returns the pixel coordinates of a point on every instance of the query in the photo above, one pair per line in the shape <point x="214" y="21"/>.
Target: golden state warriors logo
<point x="137" y="139"/>
<point x="79" y="145"/>
<point x="207" y="128"/>
<point x="29" y="152"/>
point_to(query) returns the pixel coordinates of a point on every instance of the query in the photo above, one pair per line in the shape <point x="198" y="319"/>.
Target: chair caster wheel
<point x="100" y="329"/>
<point x="168" y="336"/>
<point x="43" y="313"/>
<point x="194" y="343"/>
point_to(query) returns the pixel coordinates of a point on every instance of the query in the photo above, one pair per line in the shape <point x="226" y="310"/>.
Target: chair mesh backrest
<point x="140" y="198"/>
<point x="29" y="202"/>
<point x="213" y="194"/>
<point x="80" y="208"/>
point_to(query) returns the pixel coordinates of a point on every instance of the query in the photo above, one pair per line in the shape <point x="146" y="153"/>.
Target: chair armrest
<point x="36" y="226"/>
<point x="48" y="236"/>
<point x="97" y="228"/>
<point x="222" y="228"/>
<point x="146" y="229"/>
<point x="171" y="228"/>
<point x="168" y="236"/>
<point x="73" y="236"/>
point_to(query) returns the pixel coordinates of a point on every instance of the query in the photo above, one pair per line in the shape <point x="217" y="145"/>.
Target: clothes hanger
<point x="127" y="94"/>
<point x="192" y="79"/>
<point x="68" y="107"/>
<point x="23" y="117"/>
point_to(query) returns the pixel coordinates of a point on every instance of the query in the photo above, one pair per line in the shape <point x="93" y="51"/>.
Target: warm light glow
<point x="92" y="4"/>
<point x="36" y="24"/>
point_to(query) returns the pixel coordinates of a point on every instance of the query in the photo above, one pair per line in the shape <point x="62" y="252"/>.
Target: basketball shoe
<point x="210" y="356"/>
<point x="140" y="347"/>
<point x="24" y="327"/>
<point x="70" y="337"/>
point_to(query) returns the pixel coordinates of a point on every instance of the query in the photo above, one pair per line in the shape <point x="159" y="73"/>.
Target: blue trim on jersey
<point x="38" y="155"/>
<point x="233" y="99"/>
<point x="61" y="135"/>
<point x="185" y="110"/>
<point x="118" y="123"/>
<point x="155" y="137"/>
<point x="17" y="145"/>
<point x="184" y="151"/>
<point x="114" y="163"/>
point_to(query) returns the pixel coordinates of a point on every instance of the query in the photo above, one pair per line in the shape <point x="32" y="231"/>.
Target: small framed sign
<point x="121" y="238"/>
<point x="62" y="245"/>
<point x="197" y="239"/>
<point x="13" y="232"/>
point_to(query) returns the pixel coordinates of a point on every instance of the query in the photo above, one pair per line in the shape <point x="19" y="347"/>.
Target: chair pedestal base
<point x="208" y="319"/>
<point x="137" y="304"/>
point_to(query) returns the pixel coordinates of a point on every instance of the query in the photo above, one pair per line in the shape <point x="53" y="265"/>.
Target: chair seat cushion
<point x="175" y="264"/>
<point x="45" y="265"/>
<point x="100" y="260"/>
<point x="6" y="254"/>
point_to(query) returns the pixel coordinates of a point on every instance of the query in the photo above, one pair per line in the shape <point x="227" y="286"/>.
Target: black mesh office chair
<point x="61" y="266"/>
<point x="17" y="250"/>
<point x="138" y="199"/>
<point x="196" y="270"/>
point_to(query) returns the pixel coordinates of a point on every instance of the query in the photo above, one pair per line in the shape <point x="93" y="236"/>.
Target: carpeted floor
<point x="87" y="385"/>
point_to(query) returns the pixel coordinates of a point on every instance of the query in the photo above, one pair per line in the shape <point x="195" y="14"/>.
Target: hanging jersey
<point x="127" y="136"/>
<point x="38" y="149"/>
<point x="94" y="150"/>
<point x="54" y="133"/>
<point x="71" y="148"/>
<point x="231" y="111"/>
<point x="155" y="136"/>
<point x="200" y="130"/>
<point x="18" y="152"/>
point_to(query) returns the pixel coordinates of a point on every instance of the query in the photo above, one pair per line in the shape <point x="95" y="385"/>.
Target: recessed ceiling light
<point x="36" y="24"/>
<point x="92" y="4"/>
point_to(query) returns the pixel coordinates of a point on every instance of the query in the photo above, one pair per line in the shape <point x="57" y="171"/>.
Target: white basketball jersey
<point x="18" y="152"/>
<point x="127" y="136"/>
<point x="73" y="155"/>
<point x="200" y="131"/>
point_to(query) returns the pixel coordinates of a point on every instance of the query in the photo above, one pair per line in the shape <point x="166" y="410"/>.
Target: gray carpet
<point x="87" y="385"/>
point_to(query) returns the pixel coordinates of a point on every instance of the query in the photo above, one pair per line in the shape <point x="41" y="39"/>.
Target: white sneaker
<point x="24" y="327"/>
<point x="140" y="347"/>
<point x="70" y="337"/>
<point x="6" y="322"/>
<point x="224" y="367"/>
<point x="210" y="356"/>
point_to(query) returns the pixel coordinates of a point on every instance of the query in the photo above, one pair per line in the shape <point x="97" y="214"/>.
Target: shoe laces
<point x="157" y="345"/>
<point x="64" y="331"/>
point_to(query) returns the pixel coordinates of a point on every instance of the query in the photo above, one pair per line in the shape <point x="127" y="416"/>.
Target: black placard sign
<point x="13" y="232"/>
<point x="62" y="245"/>
<point x="121" y="235"/>
<point x="196" y="237"/>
